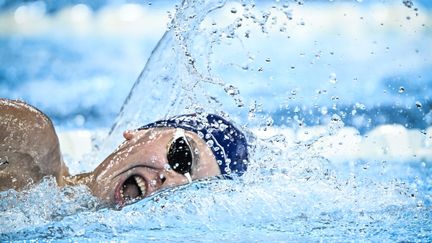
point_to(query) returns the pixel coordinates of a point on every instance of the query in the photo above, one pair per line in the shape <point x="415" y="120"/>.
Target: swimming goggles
<point x="179" y="155"/>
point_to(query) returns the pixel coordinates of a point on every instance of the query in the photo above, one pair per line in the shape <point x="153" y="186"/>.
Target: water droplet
<point x="321" y="91"/>
<point x="231" y="90"/>
<point x="239" y="102"/>
<point x="401" y="89"/>
<point x="79" y="120"/>
<point x="418" y="104"/>
<point x="332" y="78"/>
<point x="360" y="106"/>
<point x="408" y="3"/>
<point x="200" y="134"/>
<point x="335" y="118"/>
<point x="420" y="204"/>
<point x="324" y="110"/>
<point x="233" y="10"/>
<point x="335" y="124"/>
<point x="269" y="122"/>
<point x="210" y="143"/>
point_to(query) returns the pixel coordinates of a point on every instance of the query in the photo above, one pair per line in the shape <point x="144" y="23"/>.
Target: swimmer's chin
<point x="87" y="179"/>
<point x="80" y="179"/>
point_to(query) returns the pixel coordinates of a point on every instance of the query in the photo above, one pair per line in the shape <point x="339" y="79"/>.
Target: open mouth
<point x="132" y="190"/>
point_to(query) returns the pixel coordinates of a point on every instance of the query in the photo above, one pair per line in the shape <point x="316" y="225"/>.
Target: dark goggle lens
<point x="180" y="156"/>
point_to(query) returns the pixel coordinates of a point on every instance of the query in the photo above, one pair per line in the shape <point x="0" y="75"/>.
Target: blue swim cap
<point x="227" y="143"/>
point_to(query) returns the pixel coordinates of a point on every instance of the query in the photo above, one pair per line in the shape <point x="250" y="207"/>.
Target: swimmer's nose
<point x="128" y="134"/>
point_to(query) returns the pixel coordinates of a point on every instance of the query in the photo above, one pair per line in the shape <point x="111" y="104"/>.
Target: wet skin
<point x="30" y="150"/>
<point x="142" y="159"/>
<point x="29" y="147"/>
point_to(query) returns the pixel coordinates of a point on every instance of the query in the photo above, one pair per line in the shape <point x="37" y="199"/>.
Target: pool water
<point x="334" y="98"/>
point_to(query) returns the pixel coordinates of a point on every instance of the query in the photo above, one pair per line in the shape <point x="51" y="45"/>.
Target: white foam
<point x="345" y="144"/>
<point x="310" y="133"/>
<point x="386" y="142"/>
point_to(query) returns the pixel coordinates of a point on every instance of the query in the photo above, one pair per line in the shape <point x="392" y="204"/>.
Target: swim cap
<point x="227" y="143"/>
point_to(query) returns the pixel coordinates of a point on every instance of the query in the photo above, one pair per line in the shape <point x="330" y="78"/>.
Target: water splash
<point x="289" y="192"/>
<point x="220" y="56"/>
<point x="184" y="71"/>
<point x="42" y="204"/>
<point x="204" y="65"/>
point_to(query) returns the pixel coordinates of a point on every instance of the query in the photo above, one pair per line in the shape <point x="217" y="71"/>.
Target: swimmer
<point x="159" y="155"/>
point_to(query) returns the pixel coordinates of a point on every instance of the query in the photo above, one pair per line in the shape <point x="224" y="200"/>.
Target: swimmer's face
<point x="139" y="167"/>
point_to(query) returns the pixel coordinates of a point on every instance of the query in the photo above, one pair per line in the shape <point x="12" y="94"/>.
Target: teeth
<point x="142" y="186"/>
<point x="121" y="193"/>
<point x="140" y="182"/>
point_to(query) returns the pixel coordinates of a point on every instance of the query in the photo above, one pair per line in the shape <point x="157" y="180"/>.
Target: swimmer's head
<point x="227" y="143"/>
<point x="29" y="147"/>
<point x="169" y="153"/>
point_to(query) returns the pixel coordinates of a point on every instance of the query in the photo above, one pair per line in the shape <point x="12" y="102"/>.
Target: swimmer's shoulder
<point x="16" y="110"/>
<point x="29" y="146"/>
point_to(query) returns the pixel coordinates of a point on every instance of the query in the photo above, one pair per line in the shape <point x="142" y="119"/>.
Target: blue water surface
<point x="267" y="65"/>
